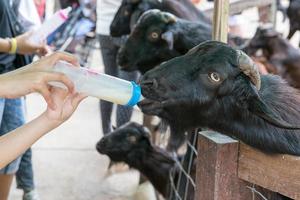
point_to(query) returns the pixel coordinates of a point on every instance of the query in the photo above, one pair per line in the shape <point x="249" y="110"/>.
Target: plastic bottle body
<point x="49" y="26"/>
<point x="99" y="85"/>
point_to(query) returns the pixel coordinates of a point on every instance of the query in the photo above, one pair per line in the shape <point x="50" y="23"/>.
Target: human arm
<point x="23" y="45"/>
<point x="61" y="103"/>
<point x="17" y="141"/>
<point x="35" y="78"/>
<point x="4" y="45"/>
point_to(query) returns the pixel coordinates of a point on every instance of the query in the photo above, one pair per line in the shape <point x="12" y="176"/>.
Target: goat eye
<point x="126" y="13"/>
<point x="215" y="77"/>
<point x="154" y="35"/>
<point x="132" y="139"/>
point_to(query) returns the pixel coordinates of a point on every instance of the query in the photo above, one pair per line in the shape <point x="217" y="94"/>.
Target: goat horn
<point x="168" y="18"/>
<point x="249" y="68"/>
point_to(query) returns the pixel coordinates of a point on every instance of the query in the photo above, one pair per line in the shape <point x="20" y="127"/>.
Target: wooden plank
<point x="216" y="176"/>
<point x="224" y="21"/>
<point x="220" y="20"/>
<point x="216" y="20"/>
<point x="237" y="6"/>
<point x="279" y="173"/>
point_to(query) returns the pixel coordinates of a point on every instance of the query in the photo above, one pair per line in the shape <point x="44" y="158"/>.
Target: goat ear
<point x="169" y="38"/>
<point x="261" y="109"/>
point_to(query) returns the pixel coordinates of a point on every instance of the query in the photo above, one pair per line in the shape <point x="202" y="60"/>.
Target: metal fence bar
<point x="173" y="187"/>
<point x="191" y="162"/>
<point x="183" y="172"/>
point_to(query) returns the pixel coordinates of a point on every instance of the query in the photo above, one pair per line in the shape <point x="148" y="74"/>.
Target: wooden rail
<point x="237" y="6"/>
<point x="279" y="173"/>
<point x="227" y="170"/>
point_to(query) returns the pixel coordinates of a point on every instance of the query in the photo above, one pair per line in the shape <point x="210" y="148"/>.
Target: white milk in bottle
<point x="100" y="85"/>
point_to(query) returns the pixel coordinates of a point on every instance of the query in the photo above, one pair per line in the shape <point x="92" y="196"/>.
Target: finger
<point x="77" y="98"/>
<point x="47" y="50"/>
<point x="59" y="93"/>
<point x="40" y="53"/>
<point x="46" y="93"/>
<point x="60" y="77"/>
<point x="65" y="57"/>
<point x="44" y="50"/>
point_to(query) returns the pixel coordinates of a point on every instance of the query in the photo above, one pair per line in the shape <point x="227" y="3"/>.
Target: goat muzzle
<point x="153" y="84"/>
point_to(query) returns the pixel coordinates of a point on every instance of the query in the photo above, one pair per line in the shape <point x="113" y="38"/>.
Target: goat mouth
<point x="102" y="147"/>
<point x="101" y="150"/>
<point x="151" y="107"/>
<point x="104" y="150"/>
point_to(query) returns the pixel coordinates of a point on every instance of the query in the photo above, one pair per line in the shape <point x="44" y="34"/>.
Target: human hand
<point x="65" y="103"/>
<point x="35" y="78"/>
<point x="25" y="46"/>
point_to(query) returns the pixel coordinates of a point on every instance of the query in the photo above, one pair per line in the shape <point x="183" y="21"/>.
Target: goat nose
<point x="101" y="143"/>
<point x="101" y="146"/>
<point x="150" y="84"/>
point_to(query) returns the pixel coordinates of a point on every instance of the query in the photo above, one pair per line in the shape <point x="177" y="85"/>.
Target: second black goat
<point x="131" y="144"/>
<point x="130" y="11"/>
<point x="160" y="36"/>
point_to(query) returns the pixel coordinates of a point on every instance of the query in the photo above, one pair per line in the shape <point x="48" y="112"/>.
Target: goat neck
<point x="156" y="166"/>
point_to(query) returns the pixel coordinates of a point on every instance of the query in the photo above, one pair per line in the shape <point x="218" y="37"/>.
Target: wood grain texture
<point x="237" y="6"/>
<point x="279" y="173"/>
<point x="217" y="177"/>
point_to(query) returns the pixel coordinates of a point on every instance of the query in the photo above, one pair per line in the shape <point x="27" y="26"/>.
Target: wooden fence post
<point x="220" y="20"/>
<point x="217" y="164"/>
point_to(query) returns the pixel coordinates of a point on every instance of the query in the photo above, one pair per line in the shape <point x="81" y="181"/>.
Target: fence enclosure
<point x="228" y="169"/>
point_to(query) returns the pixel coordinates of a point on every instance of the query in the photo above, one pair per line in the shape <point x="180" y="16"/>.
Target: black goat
<point x="220" y="88"/>
<point x="130" y="11"/>
<point x="293" y="13"/>
<point x="282" y="58"/>
<point x="131" y="144"/>
<point x="160" y="36"/>
<point x="157" y="37"/>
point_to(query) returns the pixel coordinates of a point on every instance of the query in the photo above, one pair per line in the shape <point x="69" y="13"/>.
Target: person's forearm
<point x="5" y="78"/>
<point x="2" y="87"/>
<point x="4" y="45"/>
<point x="18" y="141"/>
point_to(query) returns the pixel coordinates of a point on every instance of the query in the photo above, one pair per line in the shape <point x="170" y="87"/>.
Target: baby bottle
<point x="100" y="85"/>
<point x="50" y="25"/>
